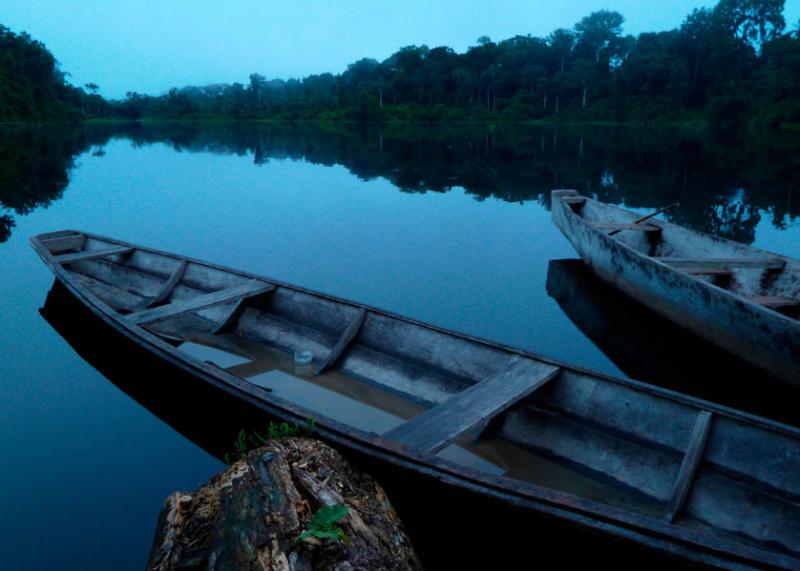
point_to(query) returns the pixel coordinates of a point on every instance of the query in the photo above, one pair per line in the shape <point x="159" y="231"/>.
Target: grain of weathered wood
<point x="347" y="337"/>
<point x="437" y="427"/>
<point x="252" y="516"/>
<point x="65" y="243"/>
<point x="251" y="288"/>
<point x="80" y="256"/>
<point x="174" y="278"/>
<point x="117" y="298"/>
<point x="723" y="263"/>
<point x="691" y="460"/>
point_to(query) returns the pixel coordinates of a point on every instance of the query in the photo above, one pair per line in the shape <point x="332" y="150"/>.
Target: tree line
<point x="734" y="62"/>
<point x="727" y="63"/>
<point x="33" y="88"/>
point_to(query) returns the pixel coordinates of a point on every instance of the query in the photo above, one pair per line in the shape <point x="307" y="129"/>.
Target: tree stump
<point x="253" y="514"/>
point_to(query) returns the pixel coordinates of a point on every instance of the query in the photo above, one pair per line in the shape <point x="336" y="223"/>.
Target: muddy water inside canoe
<point x="371" y="409"/>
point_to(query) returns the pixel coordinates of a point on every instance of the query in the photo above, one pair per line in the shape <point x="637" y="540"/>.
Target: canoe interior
<point x="759" y="276"/>
<point x="179" y="401"/>
<point x="614" y="442"/>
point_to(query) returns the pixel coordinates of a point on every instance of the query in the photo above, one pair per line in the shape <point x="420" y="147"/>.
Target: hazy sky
<point x="151" y="45"/>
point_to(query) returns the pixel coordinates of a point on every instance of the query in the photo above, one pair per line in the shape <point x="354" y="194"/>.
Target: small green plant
<point x="325" y="524"/>
<point x="275" y="430"/>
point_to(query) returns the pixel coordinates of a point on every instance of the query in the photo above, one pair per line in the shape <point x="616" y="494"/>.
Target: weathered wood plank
<point x="80" y="256"/>
<point x="773" y="301"/>
<point x="724" y="263"/>
<point x="236" y="312"/>
<point x="57" y="234"/>
<point x="174" y="278"/>
<point x="691" y="460"/>
<point x="623" y="226"/>
<point x="65" y="243"/>
<point x="706" y="271"/>
<point x="439" y="426"/>
<point x="347" y="337"/>
<point x="251" y="288"/>
<point x="119" y="299"/>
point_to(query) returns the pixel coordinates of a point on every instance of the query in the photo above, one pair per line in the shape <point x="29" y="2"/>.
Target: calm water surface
<point x="449" y="226"/>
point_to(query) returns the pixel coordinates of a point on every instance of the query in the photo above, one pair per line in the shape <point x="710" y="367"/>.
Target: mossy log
<point x="251" y="516"/>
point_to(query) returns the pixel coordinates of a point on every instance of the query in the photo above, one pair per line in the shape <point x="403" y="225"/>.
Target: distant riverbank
<point x="693" y="123"/>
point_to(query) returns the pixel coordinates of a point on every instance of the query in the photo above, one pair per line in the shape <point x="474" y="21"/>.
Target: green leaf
<point x="323" y="524"/>
<point x="334" y="534"/>
<point x="327" y="516"/>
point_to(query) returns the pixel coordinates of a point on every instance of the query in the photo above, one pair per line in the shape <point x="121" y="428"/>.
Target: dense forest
<point x="33" y="87"/>
<point x="732" y="63"/>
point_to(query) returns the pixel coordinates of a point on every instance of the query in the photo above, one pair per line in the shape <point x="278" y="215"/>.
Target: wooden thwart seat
<point x="443" y="424"/>
<point x="347" y="337"/>
<point x="249" y="289"/>
<point x="174" y="278"/>
<point x="80" y="256"/>
<point x="691" y="460"/>
<point x="237" y="311"/>
<point x="626" y="226"/>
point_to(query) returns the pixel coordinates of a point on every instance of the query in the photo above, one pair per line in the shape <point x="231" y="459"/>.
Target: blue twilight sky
<point x="151" y="45"/>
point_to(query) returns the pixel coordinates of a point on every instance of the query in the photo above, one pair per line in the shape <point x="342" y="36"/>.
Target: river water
<point x="446" y="225"/>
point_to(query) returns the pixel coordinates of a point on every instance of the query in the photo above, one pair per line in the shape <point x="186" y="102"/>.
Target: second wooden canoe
<point x="740" y="298"/>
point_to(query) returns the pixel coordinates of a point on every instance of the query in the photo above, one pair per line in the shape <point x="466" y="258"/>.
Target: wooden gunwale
<point x="99" y="253"/>
<point x="773" y="263"/>
<point x="696" y="546"/>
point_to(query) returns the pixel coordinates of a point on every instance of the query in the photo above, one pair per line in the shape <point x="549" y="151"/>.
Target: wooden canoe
<point x="625" y="330"/>
<point x="562" y="446"/>
<point x="744" y="300"/>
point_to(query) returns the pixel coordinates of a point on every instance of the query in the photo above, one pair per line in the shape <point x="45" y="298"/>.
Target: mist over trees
<point x="732" y="63"/>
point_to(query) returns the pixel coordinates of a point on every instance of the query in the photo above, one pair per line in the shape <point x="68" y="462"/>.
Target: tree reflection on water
<point x="725" y="183"/>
